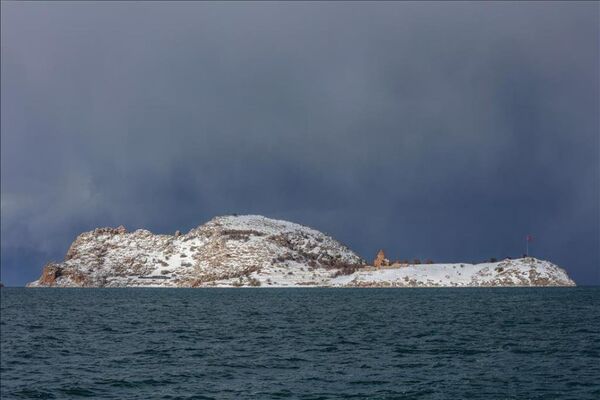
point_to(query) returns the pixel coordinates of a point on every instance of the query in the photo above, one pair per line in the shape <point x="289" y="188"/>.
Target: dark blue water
<point x="301" y="343"/>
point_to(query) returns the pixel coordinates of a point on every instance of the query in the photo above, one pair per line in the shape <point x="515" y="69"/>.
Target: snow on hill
<point x="520" y="272"/>
<point x="247" y="250"/>
<point x="252" y="250"/>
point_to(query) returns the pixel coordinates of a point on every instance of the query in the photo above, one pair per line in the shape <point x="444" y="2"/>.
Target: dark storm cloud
<point x="444" y="131"/>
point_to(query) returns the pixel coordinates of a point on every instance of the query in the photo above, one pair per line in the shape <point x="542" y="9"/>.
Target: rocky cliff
<point x="252" y="250"/>
<point x="247" y="250"/>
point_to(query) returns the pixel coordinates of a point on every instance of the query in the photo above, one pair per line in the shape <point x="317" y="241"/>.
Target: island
<point x="256" y="251"/>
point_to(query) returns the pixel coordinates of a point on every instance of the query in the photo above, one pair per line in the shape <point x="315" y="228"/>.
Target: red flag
<point x="529" y="238"/>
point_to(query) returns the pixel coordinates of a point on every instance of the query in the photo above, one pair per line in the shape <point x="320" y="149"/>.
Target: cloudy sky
<point x="437" y="130"/>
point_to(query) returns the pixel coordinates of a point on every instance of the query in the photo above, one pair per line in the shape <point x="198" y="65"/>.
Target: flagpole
<point x="526" y="246"/>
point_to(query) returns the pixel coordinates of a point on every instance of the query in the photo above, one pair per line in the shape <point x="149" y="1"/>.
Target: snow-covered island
<point x="252" y="250"/>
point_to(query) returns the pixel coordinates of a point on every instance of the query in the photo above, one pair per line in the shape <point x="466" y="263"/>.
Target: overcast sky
<point x="436" y="130"/>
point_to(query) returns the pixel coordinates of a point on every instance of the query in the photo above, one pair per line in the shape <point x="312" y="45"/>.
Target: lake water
<point x="300" y="343"/>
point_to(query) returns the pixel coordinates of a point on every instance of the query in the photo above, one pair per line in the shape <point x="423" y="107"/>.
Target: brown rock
<point x="112" y="231"/>
<point x="49" y="275"/>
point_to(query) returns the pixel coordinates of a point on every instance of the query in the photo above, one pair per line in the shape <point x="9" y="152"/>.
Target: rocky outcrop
<point x="54" y="274"/>
<point x="231" y="250"/>
<point x="50" y="274"/>
<point x="252" y="250"/>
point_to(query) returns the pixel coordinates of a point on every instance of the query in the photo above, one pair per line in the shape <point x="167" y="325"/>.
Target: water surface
<point x="505" y="343"/>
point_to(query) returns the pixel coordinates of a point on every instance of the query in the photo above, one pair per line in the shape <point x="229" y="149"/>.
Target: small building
<point x="380" y="260"/>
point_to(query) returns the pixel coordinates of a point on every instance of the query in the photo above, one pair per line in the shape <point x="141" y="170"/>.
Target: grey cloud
<point x="433" y="130"/>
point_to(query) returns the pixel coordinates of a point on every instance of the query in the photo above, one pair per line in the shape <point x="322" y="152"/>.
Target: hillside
<point x="244" y="250"/>
<point x="252" y="250"/>
<point x="520" y="272"/>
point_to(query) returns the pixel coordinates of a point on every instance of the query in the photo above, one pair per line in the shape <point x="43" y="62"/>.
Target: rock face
<point x="246" y="250"/>
<point x="252" y="250"/>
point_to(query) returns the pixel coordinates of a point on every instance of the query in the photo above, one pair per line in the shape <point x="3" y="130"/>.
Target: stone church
<point x="380" y="260"/>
